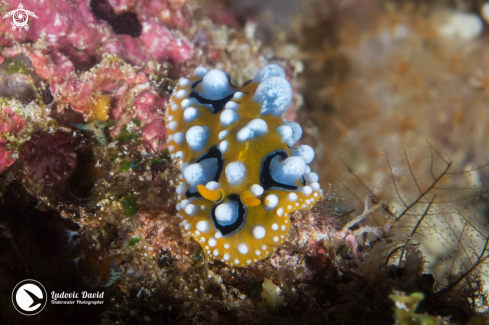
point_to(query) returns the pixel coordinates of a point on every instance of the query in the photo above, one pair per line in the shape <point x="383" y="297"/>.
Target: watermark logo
<point x="20" y="17"/>
<point x="29" y="297"/>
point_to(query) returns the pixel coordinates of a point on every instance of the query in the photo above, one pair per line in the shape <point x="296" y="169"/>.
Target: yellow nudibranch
<point x="240" y="175"/>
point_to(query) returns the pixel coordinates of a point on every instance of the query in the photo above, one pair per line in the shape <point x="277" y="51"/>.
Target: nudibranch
<point x="240" y="175"/>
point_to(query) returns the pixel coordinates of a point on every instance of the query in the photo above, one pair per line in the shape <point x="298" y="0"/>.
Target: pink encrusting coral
<point x="72" y="28"/>
<point x="10" y="122"/>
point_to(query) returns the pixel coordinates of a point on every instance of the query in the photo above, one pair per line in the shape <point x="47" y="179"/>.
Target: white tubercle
<point x="223" y="134"/>
<point x="289" y="171"/>
<point x="296" y="132"/>
<point x="270" y="70"/>
<point x="238" y="95"/>
<point x="258" y="232"/>
<point x="253" y="129"/>
<point x="215" y="85"/>
<point x="235" y="173"/>
<point x="184" y="82"/>
<point x="232" y="106"/>
<point x="212" y="185"/>
<point x="203" y="226"/>
<point x="190" y="114"/>
<point x="228" y="117"/>
<point x="275" y="95"/>
<point x="285" y="133"/>
<point x="256" y="190"/>
<point x="305" y="152"/>
<point x="311" y="177"/>
<point x="271" y="201"/>
<point x="227" y="213"/>
<point x="179" y="137"/>
<point x="200" y="72"/>
<point x="197" y="137"/>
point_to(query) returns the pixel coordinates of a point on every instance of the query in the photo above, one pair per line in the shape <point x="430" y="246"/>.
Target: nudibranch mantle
<point x="240" y="175"/>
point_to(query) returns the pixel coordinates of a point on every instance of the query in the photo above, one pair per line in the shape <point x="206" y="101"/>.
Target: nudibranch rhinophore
<point x="240" y="175"/>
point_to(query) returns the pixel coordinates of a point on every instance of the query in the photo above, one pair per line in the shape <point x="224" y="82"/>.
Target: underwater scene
<point x="244" y="162"/>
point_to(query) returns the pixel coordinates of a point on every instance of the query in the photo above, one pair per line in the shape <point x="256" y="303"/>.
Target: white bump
<point x="306" y="190"/>
<point x="275" y="95"/>
<point x="308" y="202"/>
<point x="305" y="152"/>
<point x="264" y="247"/>
<point x="258" y="232"/>
<point x="218" y="235"/>
<point x="316" y="194"/>
<point x="228" y="117"/>
<point x="200" y="173"/>
<point x="280" y="212"/>
<point x="186" y="103"/>
<point x="243" y="248"/>
<point x="212" y="242"/>
<point x="270" y="70"/>
<point x="184" y="82"/>
<point x="197" y="137"/>
<point x="308" y="169"/>
<point x="235" y="173"/>
<point x="200" y="72"/>
<point x="188" y="226"/>
<point x="191" y="209"/>
<point x="292" y="197"/>
<point x="202" y="207"/>
<point x="275" y="239"/>
<point x="215" y="85"/>
<point x="197" y="233"/>
<point x="223" y="146"/>
<point x="181" y="189"/>
<point x="227" y="213"/>
<point x="184" y="222"/>
<point x="315" y="186"/>
<point x="289" y="170"/>
<point x="289" y="207"/>
<point x="190" y="114"/>
<point x="256" y="190"/>
<point x="311" y="177"/>
<point x="257" y="252"/>
<point x="232" y="106"/>
<point x="236" y="261"/>
<point x="296" y="132"/>
<point x="226" y="246"/>
<point x="271" y="201"/>
<point x="275" y="226"/>
<point x="179" y="137"/>
<point x="223" y="134"/>
<point x="202" y="239"/>
<point x="285" y="133"/>
<point x="213" y="185"/>
<point x="227" y="257"/>
<point x="174" y="107"/>
<point x="203" y="226"/>
<point x="215" y="252"/>
<point x="178" y="207"/>
<point x="238" y="95"/>
<point x="184" y="203"/>
<point x="283" y="227"/>
<point x="170" y="118"/>
<point x="172" y="125"/>
<point x="181" y="93"/>
<point x="252" y="130"/>
<point x="248" y="262"/>
<point x="180" y="155"/>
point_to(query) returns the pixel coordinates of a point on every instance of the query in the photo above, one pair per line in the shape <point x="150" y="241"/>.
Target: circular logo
<point x="29" y="297"/>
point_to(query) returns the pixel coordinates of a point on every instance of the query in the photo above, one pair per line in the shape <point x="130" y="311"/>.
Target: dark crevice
<point x="126" y="23"/>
